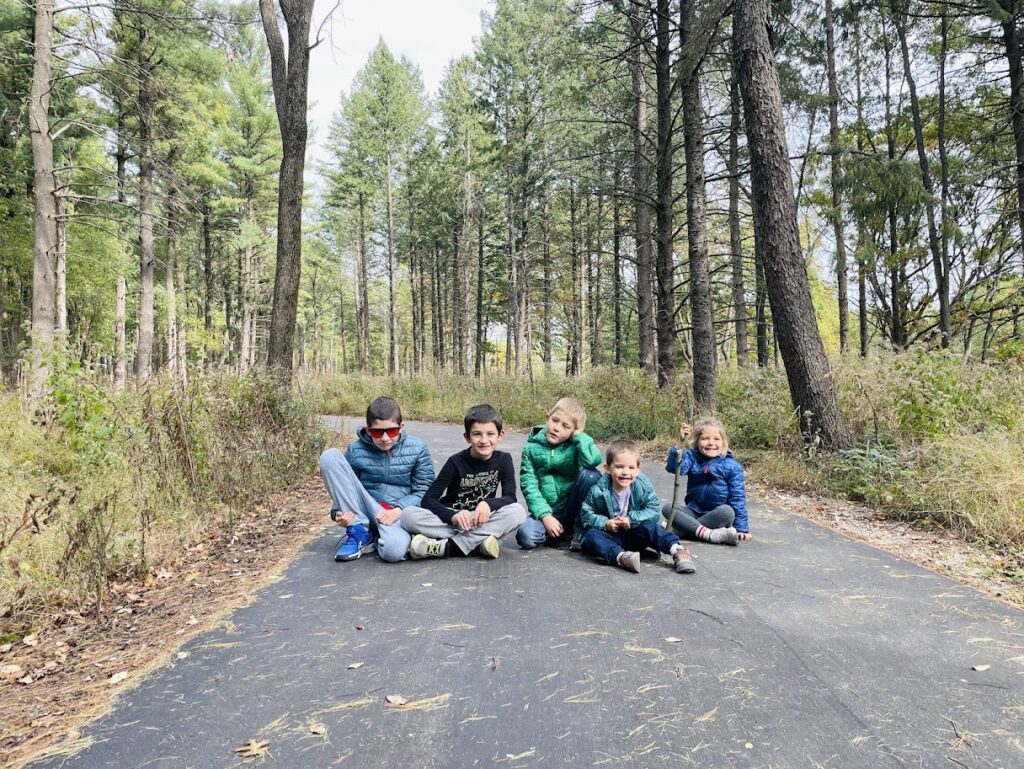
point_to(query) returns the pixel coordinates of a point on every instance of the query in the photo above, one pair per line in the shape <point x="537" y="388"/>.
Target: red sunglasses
<point x="380" y="432"/>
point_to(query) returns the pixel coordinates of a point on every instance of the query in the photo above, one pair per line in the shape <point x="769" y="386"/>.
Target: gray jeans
<point x="687" y="522"/>
<point x="419" y="520"/>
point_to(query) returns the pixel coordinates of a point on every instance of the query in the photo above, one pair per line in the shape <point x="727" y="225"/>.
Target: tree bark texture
<point x="739" y="300"/>
<point x="835" y="156"/>
<point x="807" y="369"/>
<point x="146" y="315"/>
<point x="664" y="199"/>
<point x="290" y="75"/>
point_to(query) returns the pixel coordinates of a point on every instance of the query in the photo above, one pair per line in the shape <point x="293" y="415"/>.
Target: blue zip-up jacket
<point x="712" y="481"/>
<point x="600" y="504"/>
<point x="398" y="477"/>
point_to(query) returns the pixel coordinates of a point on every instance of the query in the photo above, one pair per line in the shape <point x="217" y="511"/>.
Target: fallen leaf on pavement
<point x="980" y="668"/>
<point x="396" y="699"/>
<point x="706" y="717"/>
<point x="355" y="666"/>
<point x="673" y="640"/>
<point x="317" y="729"/>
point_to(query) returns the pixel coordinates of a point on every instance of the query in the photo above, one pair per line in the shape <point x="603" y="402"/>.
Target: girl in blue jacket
<point x="716" y="499"/>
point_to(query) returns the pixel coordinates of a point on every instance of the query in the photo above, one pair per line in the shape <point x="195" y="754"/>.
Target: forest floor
<point x="72" y="670"/>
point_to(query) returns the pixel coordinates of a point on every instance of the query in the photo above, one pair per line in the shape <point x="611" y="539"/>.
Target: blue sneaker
<point x="355" y="544"/>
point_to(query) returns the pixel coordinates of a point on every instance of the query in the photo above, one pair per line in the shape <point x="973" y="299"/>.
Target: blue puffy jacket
<point x="398" y="477"/>
<point x="711" y="482"/>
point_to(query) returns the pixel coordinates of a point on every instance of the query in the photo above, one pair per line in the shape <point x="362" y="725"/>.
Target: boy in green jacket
<point x="555" y="474"/>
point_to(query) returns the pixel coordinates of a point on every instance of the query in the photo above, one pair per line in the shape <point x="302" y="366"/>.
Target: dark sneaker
<point x="576" y="543"/>
<point x="630" y="561"/>
<point x="425" y="547"/>
<point x="725" y="536"/>
<point x="682" y="563"/>
<point x="489" y="548"/>
<point x="356" y="543"/>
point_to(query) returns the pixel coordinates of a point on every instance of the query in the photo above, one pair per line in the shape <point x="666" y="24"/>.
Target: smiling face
<point x="623" y="469"/>
<point x="384" y="433"/>
<point x="483" y="438"/>
<point x="710" y="442"/>
<point x="560" y="427"/>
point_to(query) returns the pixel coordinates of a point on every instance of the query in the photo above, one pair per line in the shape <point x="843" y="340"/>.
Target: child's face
<point x="483" y="438"/>
<point x="710" y="442"/>
<point x="384" y="433"/>
<point x="624" y="469"/>
<point x="560" y="427"/>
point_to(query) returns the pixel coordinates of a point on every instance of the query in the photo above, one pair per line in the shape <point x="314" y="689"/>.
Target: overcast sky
<point x="428" y="32"/>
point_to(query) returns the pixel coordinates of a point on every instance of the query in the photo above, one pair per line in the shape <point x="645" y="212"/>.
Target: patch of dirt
<point x="1000" y="574"/>
<point x="70" y="672"/>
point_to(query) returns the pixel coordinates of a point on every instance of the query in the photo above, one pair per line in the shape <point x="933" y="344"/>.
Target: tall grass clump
<point x="100" y="485"/>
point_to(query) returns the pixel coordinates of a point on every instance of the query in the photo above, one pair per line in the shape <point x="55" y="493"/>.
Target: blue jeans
<point x="348" y="494"/>
<point x="532" y="532"/>
<point x="607" y="546"/>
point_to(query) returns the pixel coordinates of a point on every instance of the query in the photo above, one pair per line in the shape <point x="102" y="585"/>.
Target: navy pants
<point x="532" y="533"/>
<point x="606" y="545"/>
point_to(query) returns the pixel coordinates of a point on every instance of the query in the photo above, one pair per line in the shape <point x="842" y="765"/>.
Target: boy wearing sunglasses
<point x="382" y="472"/>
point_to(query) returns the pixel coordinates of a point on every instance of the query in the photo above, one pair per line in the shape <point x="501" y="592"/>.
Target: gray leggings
<point x="687" y="522"/>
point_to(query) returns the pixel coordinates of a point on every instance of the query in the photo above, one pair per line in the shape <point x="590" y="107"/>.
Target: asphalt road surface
<point x="799" y="649"/>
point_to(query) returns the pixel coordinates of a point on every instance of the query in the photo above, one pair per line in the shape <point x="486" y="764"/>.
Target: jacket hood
<point x="539" y="434"/>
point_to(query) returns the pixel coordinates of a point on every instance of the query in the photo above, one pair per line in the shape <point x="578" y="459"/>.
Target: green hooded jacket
<point x="547" y="473"/>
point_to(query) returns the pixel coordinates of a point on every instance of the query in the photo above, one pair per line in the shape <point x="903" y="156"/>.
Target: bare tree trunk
<point x="207" y="283"/>
<point x="701" y="311"/>
<point x="807" y="369"/>
<point x="664" y="199"/>
<point x="617" y="266"/>
<point x="290" y="74"/>
<point x="363" y="293"/>
<point x="739" y="301"/>
<point x="61" y="266"/>
<point x="481" y="340"/>
<point x="941" y="270"/>
<point x="44" y="198"/>
<point x="594" y="298"/>
<point x="120" y="314"/>
<point x="760" y="306"/>
<point x="545" y="302"/>
<point x="171" y="332"/>
<point x="641" y="192"/>
<point x="181" y="337"/>
<point x="146" y="316"/>
<point x="465" y="274"/>
<point x="837" y="174"/>
<point x="862" y="290"/>
<point x="1012" y="47"/>
<point x="392" y="274"/>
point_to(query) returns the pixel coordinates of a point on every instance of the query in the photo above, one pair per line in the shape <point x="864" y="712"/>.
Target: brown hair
<point x="620" y="446"/>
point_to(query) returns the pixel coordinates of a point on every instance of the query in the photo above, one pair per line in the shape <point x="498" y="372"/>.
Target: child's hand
<point x="346" y="518"/>
<point x="388" y="517"/>
<point x="552" y="526"/>
<point x="744" y="536"/>
<point x="623" y="522"/>
<point x="684" y="432"/>
<point x="612" y="526"/>
<point x="465" y="520"/>
<point x="483" y="513"/>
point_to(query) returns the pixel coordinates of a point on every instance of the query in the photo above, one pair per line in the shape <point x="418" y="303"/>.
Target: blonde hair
<point x="573" y="409"/>
<point x="620" y="446"/>
<point x="709" y="423"/>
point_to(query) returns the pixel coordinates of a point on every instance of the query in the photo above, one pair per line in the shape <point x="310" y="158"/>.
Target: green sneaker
<point x="489" y="548"/>
<point x="425" y="547"/>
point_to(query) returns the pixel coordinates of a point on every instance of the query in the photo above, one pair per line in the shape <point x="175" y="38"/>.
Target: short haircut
<point x="383" y="409"/>
<point x="620" y="446"/>
<point x="573" y="409"/>
<point x="710" y="423"/>
<point x="481" y="414"/>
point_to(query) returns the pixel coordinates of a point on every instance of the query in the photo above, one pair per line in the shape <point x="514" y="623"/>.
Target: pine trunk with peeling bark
<point x="44" y="198"/>
<point x="171" y="332"/>
<point x="664" y="197"/>
<point x="146" y="315"/>
<point x="807" y="369"/>
<point x="739" y="299"/>
<point x="836" y="180"/>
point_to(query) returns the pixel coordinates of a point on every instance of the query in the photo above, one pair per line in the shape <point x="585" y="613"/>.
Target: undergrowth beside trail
<point x="100" y="486"/>
<point x="937" y="439"/>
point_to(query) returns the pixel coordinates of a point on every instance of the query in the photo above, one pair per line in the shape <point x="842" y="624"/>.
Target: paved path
<point x="801" y="649"/>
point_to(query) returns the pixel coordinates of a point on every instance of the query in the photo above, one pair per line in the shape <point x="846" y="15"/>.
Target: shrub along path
<point x="801" y="648"/>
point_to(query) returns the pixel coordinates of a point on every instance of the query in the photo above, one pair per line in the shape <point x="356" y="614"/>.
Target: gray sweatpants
<point x="687" y="522"/>
<point x="419" y="520"/>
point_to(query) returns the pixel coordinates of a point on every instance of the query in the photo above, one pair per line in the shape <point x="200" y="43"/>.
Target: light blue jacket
<point x="398" y="477"/>
<point x="600" y="505"/>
